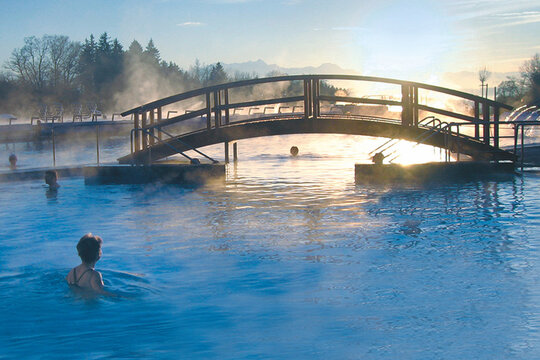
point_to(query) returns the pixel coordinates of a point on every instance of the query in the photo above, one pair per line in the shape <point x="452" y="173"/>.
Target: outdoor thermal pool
<point x="287" y="259"/>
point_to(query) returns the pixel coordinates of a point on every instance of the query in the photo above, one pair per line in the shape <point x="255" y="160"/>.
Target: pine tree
<point x="151" y="53"/>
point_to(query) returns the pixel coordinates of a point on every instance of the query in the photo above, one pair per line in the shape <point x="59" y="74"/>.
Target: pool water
<point x="287" y="259"/>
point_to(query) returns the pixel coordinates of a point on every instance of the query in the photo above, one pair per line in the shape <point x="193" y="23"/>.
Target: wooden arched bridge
<point x="307" y="104"/>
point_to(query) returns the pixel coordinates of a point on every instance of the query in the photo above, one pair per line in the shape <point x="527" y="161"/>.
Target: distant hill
<point x="261" y="68"/>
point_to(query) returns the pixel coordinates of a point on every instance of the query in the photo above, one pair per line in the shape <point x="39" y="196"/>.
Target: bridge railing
<point x="216" y="108"/>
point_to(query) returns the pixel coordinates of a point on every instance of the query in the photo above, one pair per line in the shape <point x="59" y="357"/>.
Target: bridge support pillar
<point x="226" y="152"/>
<point x="235" y="152"/>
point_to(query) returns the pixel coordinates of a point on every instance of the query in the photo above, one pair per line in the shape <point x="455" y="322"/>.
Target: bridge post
<point x="152" y="120"/>
<point x="226" y="93"/>
<point x="406" y="106"/>
<point x="307" y="98"/>
<point x="315" y="96"/>
<point x="485" y="113"/>
<point x="217" y="109"/>
<point x="496" y="114"/>
<point x="226" y="152"/>
<point x="208" y="112"/>
<point x="477" y="120"/>
<point x="144" y="135"/>
<point x="415" y="114"/>
<point x="136" y="127"/>
<point x="159" y="118"/>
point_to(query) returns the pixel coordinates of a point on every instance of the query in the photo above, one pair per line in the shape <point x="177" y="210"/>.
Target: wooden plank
<point x="485" y="113"/>
<point x="227" y="111"/>
<point x="208" y="111"/>
<point x="179" y="118"/>
<point x="358" y="100"/>
<point x="136" y="127"/>
<point x="144" y="125"/>
<point x="159" y="119"/>
<point x="446" y="113"/>
<point x="477" y="120"/>
<point x="496" y="124"/>
<point x="152" y="132"/>
<point x="264" y="102"/>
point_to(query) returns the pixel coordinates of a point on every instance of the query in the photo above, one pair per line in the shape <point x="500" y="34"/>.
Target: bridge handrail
<point x="214" y="88"/>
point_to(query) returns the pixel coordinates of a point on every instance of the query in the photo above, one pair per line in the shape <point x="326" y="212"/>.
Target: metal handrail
<point x="186" y="144"/>
<point x="442" y="126"/>
<point x="150" y="149"/>
<point x="381" y="146"/>
<point x="517" y="126"/>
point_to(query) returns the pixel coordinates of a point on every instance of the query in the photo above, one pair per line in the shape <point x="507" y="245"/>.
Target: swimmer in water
<point x="294" y="151"/>
<point x="84" y="276"/>
<point x="51" y="179"/>
<point x="12" y="161"/>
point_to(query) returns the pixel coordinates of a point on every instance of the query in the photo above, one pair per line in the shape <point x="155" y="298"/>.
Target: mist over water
<point x="287" y="259"/>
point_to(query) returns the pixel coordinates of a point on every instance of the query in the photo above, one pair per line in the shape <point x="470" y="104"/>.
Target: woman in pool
<point x="84" y="276"/>
<point x="51" y="179"/>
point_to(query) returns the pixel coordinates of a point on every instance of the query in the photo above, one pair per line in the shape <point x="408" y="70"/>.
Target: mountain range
<point x="261" y="68"/>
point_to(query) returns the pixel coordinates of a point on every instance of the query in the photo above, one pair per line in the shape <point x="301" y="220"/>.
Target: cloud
<point x="191" y="24"/>
<point x="520" y="18"/>
<point x="346" y="28"/>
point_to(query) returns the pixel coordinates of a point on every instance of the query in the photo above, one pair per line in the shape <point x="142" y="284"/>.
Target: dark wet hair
<point x="88" y="248"/>
<point x="12" y="158"/>
<point x="50" y="177"/>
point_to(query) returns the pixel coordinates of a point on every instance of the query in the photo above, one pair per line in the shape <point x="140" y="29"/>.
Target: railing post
<point x="217" y="109"/>
<point x="415" y="113"/>
<point x="159" y="118"/>
<point x="208" y="112"/>
<point x="307" y="99"/>
<point x="406" y="109"/>
<point x="315" y="96"/>
<point x="97" y="144"/>
<point x="477" y="120"/>
<point x="485" y="113"/>
<point x="136" y="128"/>
<point x="144" y="135"/>
<point x="496" y="114"/>
<point x="226" y="91"/>
<point x="152" y="132"/>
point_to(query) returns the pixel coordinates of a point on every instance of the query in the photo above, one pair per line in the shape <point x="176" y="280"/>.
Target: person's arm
<point x="97" y="282"/>
<point x="69" y="276"/>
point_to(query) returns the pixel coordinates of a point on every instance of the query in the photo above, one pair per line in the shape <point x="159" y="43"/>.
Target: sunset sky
<point x="413" y="40"/>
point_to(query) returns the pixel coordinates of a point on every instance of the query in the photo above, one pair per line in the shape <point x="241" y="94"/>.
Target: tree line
<point x="522" y="89"/>
<point x="55" y="69"/>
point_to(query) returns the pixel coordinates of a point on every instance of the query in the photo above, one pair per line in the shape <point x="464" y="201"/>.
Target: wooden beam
<point x="137" y="135"/>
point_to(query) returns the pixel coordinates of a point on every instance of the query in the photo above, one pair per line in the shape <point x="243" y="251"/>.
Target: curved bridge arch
<point x="218" y="122"/>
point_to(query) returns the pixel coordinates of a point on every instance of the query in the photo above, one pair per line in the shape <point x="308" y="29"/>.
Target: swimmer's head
<point x="294" y="150"/>
<point x="51" y="177"/>
<point x="12" y="161"/>
<point x="89" y="248"/>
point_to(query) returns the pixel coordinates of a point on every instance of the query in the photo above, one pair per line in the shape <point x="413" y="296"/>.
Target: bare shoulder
<point x="97" y="280"/>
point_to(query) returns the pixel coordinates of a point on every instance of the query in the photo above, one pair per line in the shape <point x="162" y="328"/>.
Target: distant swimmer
<point x="84" y="276"/>
<point x="12" y="161"/>
<point x="294" y="151"/>
<point x="51" y="179"/>
<point x="378" y="158"/>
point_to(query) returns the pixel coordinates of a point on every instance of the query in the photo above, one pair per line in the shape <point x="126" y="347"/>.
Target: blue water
<point x="287" y="259"/>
